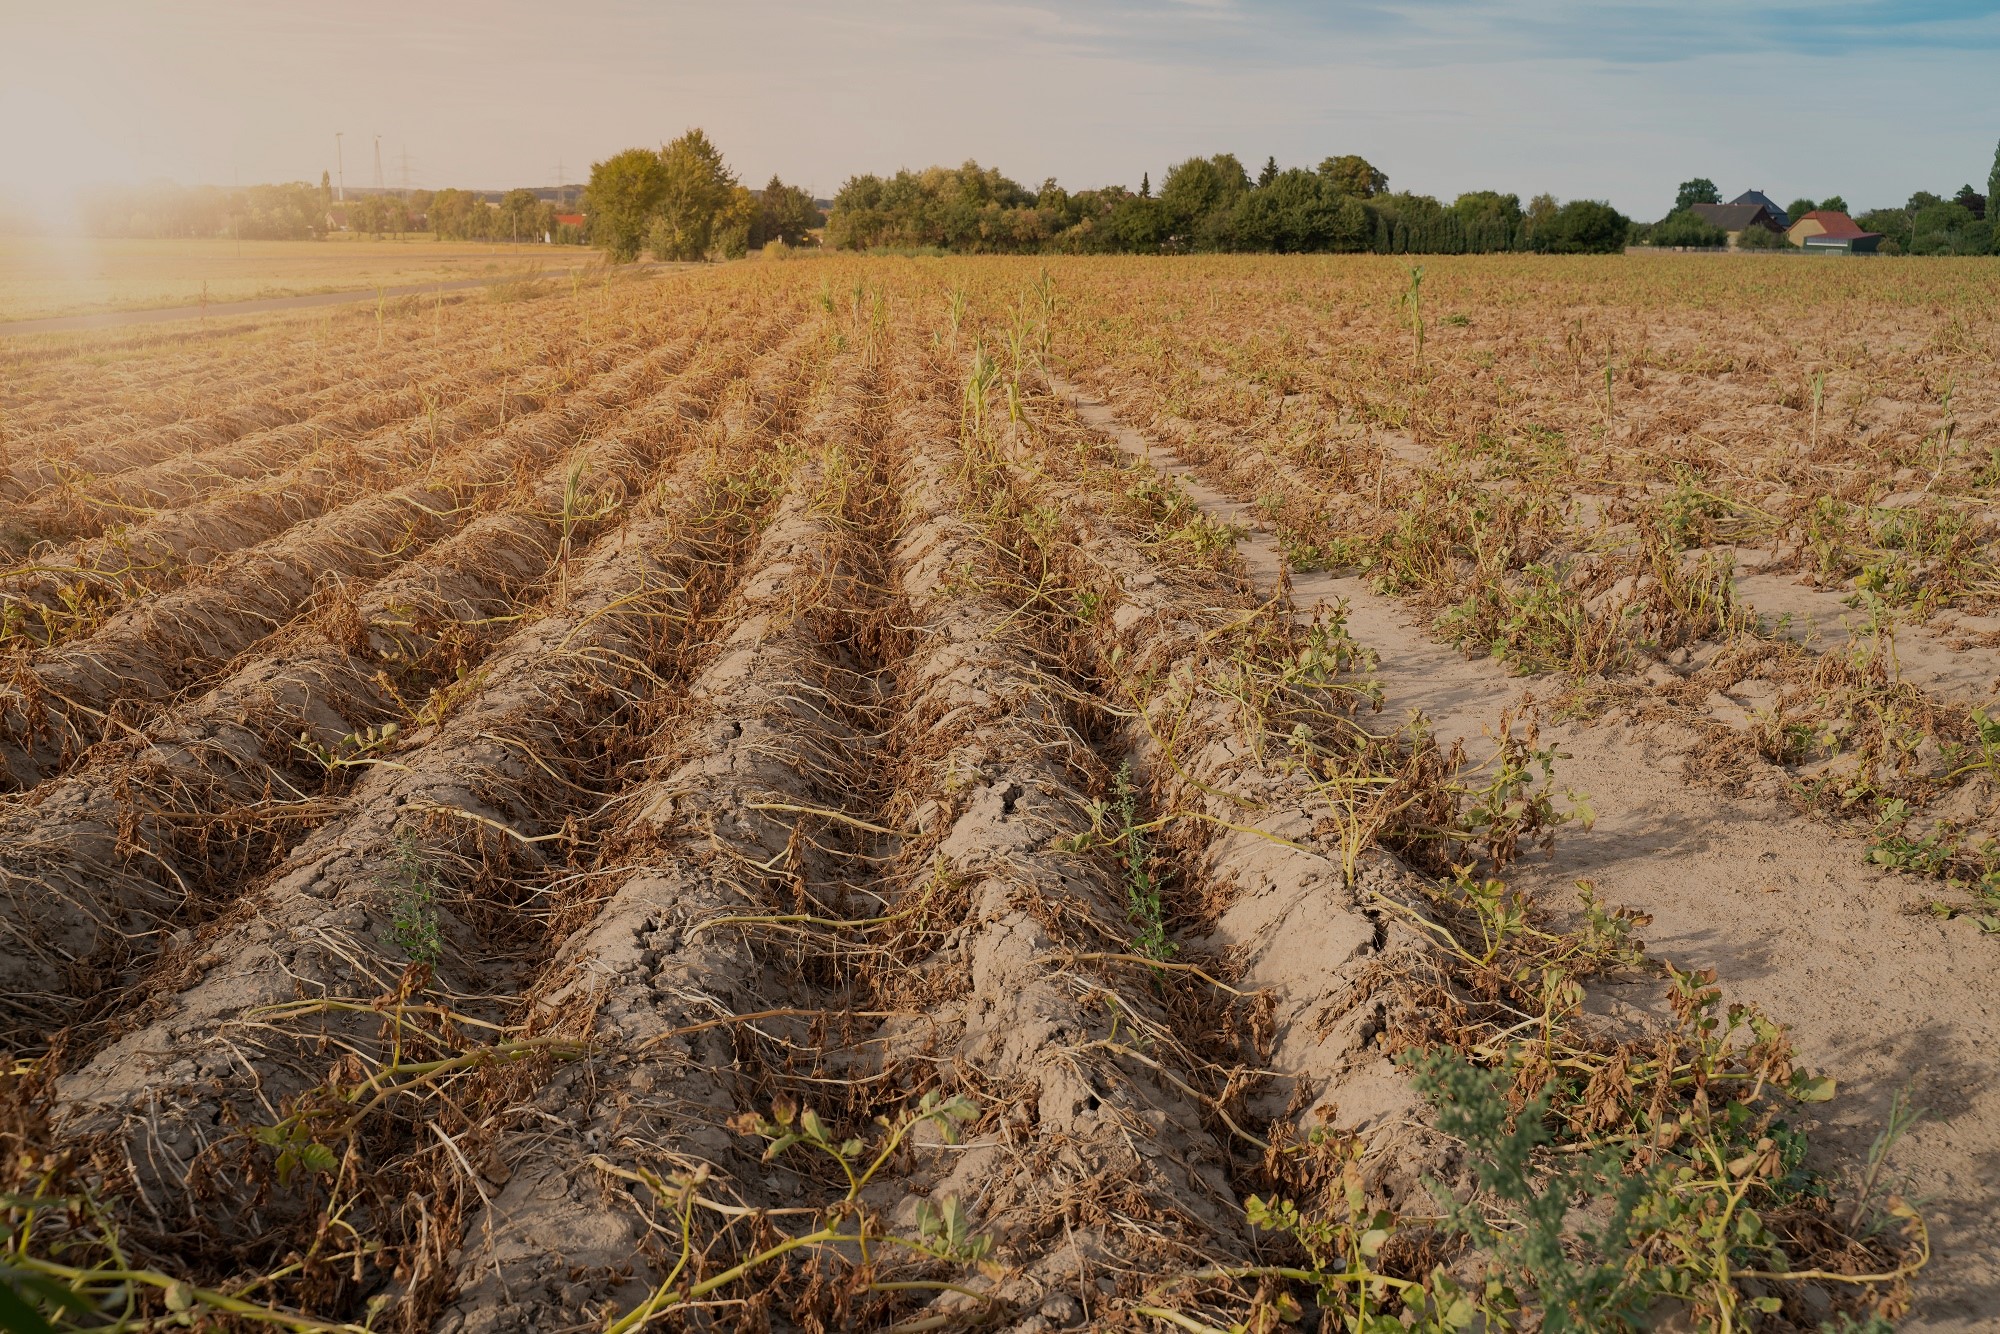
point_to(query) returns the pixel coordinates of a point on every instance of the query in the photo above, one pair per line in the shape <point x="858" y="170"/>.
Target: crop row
<point x="803" y="830"/>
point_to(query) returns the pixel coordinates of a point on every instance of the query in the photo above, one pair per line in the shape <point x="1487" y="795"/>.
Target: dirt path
<point x="113" y="319"/>
<point x="1792" y="916"/>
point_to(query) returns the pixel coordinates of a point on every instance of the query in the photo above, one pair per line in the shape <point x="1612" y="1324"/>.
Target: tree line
<point x="521" y="215"/>
<point x="682" y="202"/>
<point x="288" y="212"/>
<point x="1208" y="204"/>
<point x="298" y="211"/>
<point x="1927" y="224"/>
<point x="1930" y="224"/>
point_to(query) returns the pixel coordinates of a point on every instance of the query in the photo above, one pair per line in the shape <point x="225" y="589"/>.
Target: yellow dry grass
<point x="42" y="276"/>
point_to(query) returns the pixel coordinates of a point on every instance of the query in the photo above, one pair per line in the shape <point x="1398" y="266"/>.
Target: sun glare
<point x="69" y="149"/>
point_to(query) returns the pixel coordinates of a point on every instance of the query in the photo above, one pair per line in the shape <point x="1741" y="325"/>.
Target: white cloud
<point x="1601" y="100"/>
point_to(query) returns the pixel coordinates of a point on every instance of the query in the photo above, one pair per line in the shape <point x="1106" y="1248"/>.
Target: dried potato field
<point x="43" y="277"/>
<point x="1223" y="794"/>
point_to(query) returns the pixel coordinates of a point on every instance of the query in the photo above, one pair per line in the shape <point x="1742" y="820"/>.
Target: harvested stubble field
<point x="47" y="276"/>
<point x="1218" y="795"/>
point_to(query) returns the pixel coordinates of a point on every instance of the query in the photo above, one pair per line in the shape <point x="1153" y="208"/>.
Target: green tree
<point x="325" y="191"/>
<point x="1585" y="227"/>
<point x="1700" y="190"/>
<point x="545" y="219"/>
<point x="1688" y="228"/>
<point x="1136" y="224"/>
<point x="787" y="214"/>
<point x="1199" y="197"/>
<point x="1056" y="204"/>
<point x="1092" y="222"/>
<point x="1892" y="224"/>
<point x="1354" y="175"/>
<point x="1488" y="205"/>
<point x="1970" y="200"/>
<point x="1833" y="204"/>
<point x="288" y="212"/>
<point x="696" y="188"/>
<point x="1538" y="218"/>
<point x="1269" y="174"/>
<point x="1489" y="220"/>
<point x="1416" y="224"/>
<point x="517" y="215"/>
<point x="1798" y="208"/>
<point x="969" y="208"/>
<point x="625" y="191"/>
<point x="1948" y="229"/>
<point x="736" y="224"/>
<point x="1993" y="180"/>
<point x="1146" y="181"/>
<point x="1300" y="211"/>
<point x="457" y="215"/>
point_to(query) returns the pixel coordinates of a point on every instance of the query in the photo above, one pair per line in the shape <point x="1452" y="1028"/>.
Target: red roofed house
<point x="563" y="220"/>
<point x="1834" y="233"/>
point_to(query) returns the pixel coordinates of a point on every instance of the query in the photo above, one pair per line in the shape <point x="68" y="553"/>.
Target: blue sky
<point x="1870" y="100"/>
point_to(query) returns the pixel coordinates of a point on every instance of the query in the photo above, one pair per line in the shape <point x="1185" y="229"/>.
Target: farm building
<point x="1734" y="218"/>
<point x="1770" y="205"/>
<point x="1830" y="231"/>
<point x="572" y="221"/>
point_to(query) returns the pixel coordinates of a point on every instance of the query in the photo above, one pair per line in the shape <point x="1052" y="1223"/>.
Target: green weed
<point x="356" y="750"/>
<point x="1134" y="850"/>
<point x="1414" y="299"/>
<point x="413" y="921"/>
<point x="943" y="1231"/>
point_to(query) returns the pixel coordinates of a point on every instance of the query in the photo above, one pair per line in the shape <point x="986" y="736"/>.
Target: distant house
<point x="564" y="220"/>
<point x="1759" y="197"/>
<point x="1829" y="232"/>
<point x="1735" y="218"/>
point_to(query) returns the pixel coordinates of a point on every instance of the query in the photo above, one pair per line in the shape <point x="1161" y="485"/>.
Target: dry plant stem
<point x="976" y="747"/>
<point x="998" y="778"/>
<point x="1255" y="928"/>
<point x="87" y="504"/>
<point x="63" y="700"/>
<point x="82" y="391"/>
<point x="283" y="476"/>
<point x="323" y="922"/>
<point x="523" y="755"/>
<point x="762" y="727"/>
<point x="1283" y="893"/>
<point x="361" y="406"/>
<point x="163" y="549"/>
<point x="848" y="730"/>
<point x="111" y="845"/>
<point x="219" y="383"/>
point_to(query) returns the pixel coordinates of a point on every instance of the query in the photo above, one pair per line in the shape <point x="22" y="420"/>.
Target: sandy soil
<point x="47" y="276"/>
<point x="1874" y="990"/>
<point x="483" y="769"/>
